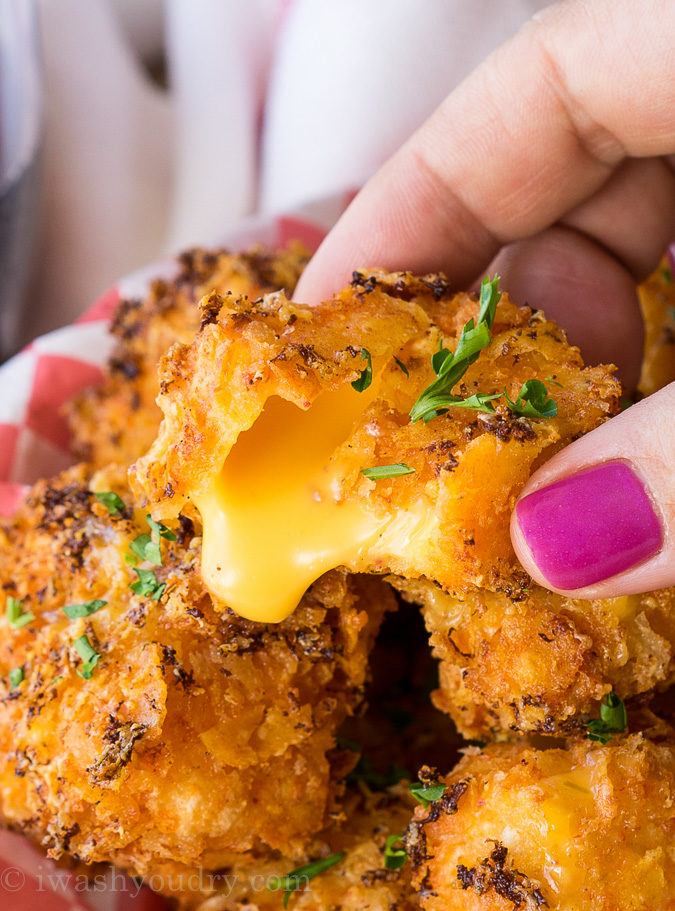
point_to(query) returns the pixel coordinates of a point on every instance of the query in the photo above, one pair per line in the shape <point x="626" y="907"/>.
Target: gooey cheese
<point x="273" y="518"/>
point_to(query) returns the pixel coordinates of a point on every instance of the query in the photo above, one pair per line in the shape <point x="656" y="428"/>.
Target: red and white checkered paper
<point x="33" y="444"/>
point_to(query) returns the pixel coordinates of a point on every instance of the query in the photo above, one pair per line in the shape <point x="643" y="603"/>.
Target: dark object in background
<point x="20" y="140"/>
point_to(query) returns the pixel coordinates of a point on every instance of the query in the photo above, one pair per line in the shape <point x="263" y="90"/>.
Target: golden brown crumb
<point x="117" y="421"/>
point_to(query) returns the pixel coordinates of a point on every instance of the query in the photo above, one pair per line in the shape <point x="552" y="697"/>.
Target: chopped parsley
<point x="378" y="472"/>
<point x="147" y="584"/>
<point x="73" y="611"/>
<point x="147" y="549"/>
<point x="158" y="530"/>
<point x="296" y="879"/>
<point x="532" y="401"/>
<point x="612" y="720"/>
<point x="366" y="376"/>
<point x="402" y="366"/>
<point x="553" y="381"/>
<point x="112" y="502"/>
<point x="426" y="792"/>
<point x="667" y="275"/>
<point x="16" y="677"/>
<point x="16" y="616"/>
<point x="394" y="857"/>
<point x="88" y="654"/>
<point x="450" y="367"/>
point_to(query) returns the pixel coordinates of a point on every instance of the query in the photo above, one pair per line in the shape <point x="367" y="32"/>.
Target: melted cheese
<point x="273" y="519"/>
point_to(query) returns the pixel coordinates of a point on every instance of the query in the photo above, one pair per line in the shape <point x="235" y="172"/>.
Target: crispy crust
<point x="469" y="467"/>
<point x="540" y="662"/>
<point x="590" y="828"/>
<point x="117" y="421"/>
<point x="186" y="707"/>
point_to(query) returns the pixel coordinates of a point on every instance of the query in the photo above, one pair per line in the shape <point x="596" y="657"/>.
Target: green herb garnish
<point x="88" y="654"/>
<point x="426" y="793"/>
<point x="612" y="720"/>
<point x="554" y="382"/>
<point x="378" y="472"/>
<point x="667" y="275"/>
<point x="532" y="401"/>
<point x="299" y="877"/>
<point x="450" y="367"/>
<point x="148" y="584"/>
<point x="402" y="366"/>
<point x="366" y="375"/>
<point x="16" y="677"/>
<point x="147" y="549"/>
<point x="394" y="857"/>
<point x="112" y="502"/>
<point x="16" y="616"/>
<point x="73" y="611"/>
<point x="158" y="530"/>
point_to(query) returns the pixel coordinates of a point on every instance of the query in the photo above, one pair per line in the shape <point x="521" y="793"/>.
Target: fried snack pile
<point x="150" y="725"/>
<point x="156" y="753"/>
<point x="117" y="421"/>
<point x="587" y="828"/>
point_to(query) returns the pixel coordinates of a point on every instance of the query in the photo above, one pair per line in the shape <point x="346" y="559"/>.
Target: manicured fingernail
<point x="590" y="526"/>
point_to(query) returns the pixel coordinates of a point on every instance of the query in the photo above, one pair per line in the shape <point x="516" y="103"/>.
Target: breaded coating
<point x="590" y="828"/>
<point x="359" y="882"/>
<point x="538" y="661"/>
<point x="117" y="421"/>
<point x="453" y="512"/>
<point x="197" y="736"/>
<point x="657" y="302"/>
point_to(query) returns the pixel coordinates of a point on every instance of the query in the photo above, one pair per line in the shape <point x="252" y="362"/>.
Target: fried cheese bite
<point x="539" y="662"/>
<point x="274" y="412"/>
<point x="117" y="421"/>
<point x="139" y="725"/>
<point x="589" y="828"/>
<point x="357" y="881"/>
<point x="657" y="302"/>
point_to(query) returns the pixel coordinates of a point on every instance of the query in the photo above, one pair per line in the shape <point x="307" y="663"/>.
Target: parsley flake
<point x="532" y="401"/>
<point x="450" y="367"/>
<point x="426" y="793"/>
<point x="378" y="472"/>
<point x="147" y="549"/>
<point x="147" y="584"/>
<point x="73" y="611"/>
<point x="88" y="654"/>
<point x="16" y="677"/>
<point x="16" y="616"/>
<point x="366" y="376"/>
<point x="402" y="366"/>
<point x="612" y="720"/>
<point x="158" y="530"/>
<point x="394" y="857"/>
<point x="296" y="879"/>
<point x="112" y="502"/>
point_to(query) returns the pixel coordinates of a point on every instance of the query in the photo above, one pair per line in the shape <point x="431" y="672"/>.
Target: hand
<point x="549" y="165"/>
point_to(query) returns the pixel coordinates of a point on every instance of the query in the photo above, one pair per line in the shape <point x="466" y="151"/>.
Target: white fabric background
<point x="271" y="103"/>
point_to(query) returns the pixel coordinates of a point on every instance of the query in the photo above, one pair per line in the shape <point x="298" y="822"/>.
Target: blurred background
<point x="132" y="128"/>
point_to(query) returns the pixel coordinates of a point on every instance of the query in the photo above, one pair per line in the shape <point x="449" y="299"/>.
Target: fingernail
<point x="590" y="526"/>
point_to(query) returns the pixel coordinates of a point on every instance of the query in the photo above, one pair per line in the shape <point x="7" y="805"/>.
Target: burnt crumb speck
<point x="128" y="366"/>
<point x="210" y="309"/>
<point x="186" y="530"/>
<point x="121" y="738"/>
<point x="439" y="285"/>
<point x="493" y="875"/>
<point x="363" y="283"/>
<point x="415" y="838"/>
<point x="508" y="428"/>
<point x="168" y="490"/>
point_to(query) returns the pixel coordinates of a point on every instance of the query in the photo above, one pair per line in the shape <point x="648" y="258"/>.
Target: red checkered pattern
<point x="34" y="386"/>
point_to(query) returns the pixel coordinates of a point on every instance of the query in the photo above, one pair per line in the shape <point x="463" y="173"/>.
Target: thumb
<point x="598" y="519"/>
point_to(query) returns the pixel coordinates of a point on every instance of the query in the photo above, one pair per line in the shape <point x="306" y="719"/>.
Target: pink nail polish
<point x="590" y="526"/>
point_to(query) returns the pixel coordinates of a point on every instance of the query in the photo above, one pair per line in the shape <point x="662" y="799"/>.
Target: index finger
<point x="535" y="130"/>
